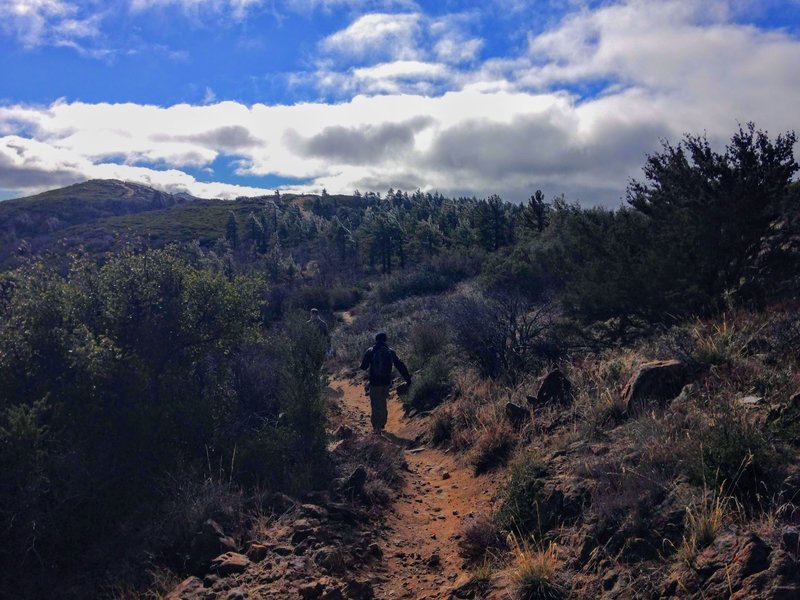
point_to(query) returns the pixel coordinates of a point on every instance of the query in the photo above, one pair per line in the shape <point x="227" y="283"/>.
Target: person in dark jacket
<point x="380" y="359"/>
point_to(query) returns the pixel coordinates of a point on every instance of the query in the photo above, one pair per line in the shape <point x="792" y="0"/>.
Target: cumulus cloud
<point x="388" y="35"/>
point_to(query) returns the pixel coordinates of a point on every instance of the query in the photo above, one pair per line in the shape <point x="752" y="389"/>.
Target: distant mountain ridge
<point x="32" y="223"/>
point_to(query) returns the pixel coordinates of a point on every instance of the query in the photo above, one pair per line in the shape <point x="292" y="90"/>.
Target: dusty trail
<point x="419" y="540"/>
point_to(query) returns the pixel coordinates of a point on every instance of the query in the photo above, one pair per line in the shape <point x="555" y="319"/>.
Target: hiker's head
<point x="314" y="312"/>
<point x="380" y="338"/>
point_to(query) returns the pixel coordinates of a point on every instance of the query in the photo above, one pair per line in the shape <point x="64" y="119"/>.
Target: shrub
<point x="493" y="445"/>
<point x="343" y="298"/>
<point x="436" y="276"/>
<point x="115" y="378"/>
<point x="480" y="537"/>
<point x="426" y="341"/>
<point x="430" y="386"/>
<point x="520" y="496"/>
<point x="441" y="427"/>
<point x="534" y="572"/>
<point x="503" y="334"/>
<point x="703" y="522"/>
<point x="732" y="451"/>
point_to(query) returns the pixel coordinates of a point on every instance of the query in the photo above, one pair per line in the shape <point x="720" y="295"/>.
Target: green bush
<point x="430" y="386"/>
<point x="114" y="380"/>
<point x="436" y="276"/>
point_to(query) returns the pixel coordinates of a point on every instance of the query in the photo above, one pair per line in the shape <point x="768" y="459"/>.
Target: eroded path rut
<point x="419" y="538"/>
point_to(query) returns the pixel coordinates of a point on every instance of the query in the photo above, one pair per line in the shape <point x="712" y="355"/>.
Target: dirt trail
<point x="427" y="516"/>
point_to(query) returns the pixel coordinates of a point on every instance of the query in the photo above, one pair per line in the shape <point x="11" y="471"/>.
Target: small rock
<point x="229" y="563"/>
<point x="750" y="401"/>
<point x="210" y="542"/>
<point x="517" y="415"/>
<point x="190" y="588"/>
<point x="257" y="552"/>
<point x="434" y="560"/>
<point x="555" y="389"/>
<point x="359" y="590"/>
<point x="343" y="432"/>
<point x="375" y="550"/>
<point x="236" y="594"/>
<point x="311" y="591"/>
<point x="355" y="482"/>
<point x="445" y="475"/>
<point x="280" y="503"/>
<point x="790" y="537"/>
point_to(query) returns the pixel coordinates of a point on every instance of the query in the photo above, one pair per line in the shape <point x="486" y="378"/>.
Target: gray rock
<point x="658" y="381"/>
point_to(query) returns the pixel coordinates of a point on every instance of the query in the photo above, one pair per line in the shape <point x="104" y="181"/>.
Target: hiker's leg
<point x="378" y="395"/>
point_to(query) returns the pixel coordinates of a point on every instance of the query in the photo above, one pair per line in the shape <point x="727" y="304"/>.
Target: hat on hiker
<point x="380" y="337"/>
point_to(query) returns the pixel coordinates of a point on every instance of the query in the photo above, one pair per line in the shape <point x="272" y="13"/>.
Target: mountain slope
<point x="34" y="220"/>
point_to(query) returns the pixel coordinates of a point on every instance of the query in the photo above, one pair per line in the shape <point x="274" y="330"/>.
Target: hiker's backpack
<point x="381" y="364"/>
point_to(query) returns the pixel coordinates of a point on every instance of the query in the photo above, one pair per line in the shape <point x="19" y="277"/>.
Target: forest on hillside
<point x="157" y="368"/>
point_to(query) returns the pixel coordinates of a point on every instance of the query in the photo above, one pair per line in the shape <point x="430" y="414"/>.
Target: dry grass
<point x="704" y="521"/>
<point x="480" y="539"/>
<point x="495" y="439"/>
<point x="534" y="571"/>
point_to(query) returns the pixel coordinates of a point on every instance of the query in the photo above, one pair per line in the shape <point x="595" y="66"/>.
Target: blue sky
<point x="231" y="97"/>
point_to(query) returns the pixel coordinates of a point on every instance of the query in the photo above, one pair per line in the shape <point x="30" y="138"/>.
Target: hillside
<point x="36" y="221"/>
<point x="596" y="404"/>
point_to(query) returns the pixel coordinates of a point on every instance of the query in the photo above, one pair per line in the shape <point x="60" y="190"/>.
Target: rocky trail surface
<point x="331" y="545"/>
<point x="421" y="531"/>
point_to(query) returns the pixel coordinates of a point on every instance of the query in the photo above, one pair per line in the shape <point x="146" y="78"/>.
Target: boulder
<point x="517" y="415"/>
<point x="207" y="544"/>
<point x="230" y="563"/>
<point x="554" y="389"/>
<point x="658" y="381"/>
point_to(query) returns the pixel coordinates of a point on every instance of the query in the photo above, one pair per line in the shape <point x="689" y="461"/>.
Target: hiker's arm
<point x="366" y="360"/>
<point x="401" y="367"/>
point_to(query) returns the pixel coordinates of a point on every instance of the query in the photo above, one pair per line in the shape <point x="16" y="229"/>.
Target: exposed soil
<point x="420" y="537"/>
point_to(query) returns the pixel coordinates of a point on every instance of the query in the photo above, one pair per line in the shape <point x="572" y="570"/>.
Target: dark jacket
<point x="377" y="378"/>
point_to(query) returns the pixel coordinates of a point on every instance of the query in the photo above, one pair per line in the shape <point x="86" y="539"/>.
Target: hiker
<point x="322" y="327"/>
<point x="379" y="360"/>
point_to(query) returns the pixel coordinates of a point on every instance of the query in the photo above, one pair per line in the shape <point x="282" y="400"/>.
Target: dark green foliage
<point x="433" y="277"/>
<point x="430" y="385"/>
<point x="114" y="378"/>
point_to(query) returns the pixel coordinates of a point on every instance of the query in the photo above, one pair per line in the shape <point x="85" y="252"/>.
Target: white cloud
<point x="377" y="35"/>
<point x="48" y="22"/>
<point x="396" y="53"/>
<point x="507" y="125"/>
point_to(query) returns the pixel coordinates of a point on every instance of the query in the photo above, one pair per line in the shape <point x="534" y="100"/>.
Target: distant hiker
<point x="379" y="360"/>
<point x="317" y="322"/>
<point x="322" y="327"/>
